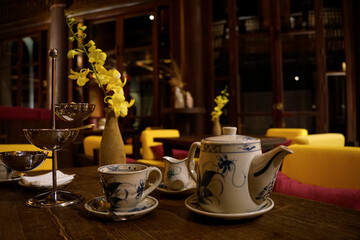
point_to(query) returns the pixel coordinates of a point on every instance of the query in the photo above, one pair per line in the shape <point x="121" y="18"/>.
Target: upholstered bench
<point x="323" y="139"/>
<point x="323" y="173"/>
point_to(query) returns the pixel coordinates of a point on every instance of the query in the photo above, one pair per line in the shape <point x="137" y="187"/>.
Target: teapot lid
<point x="229" y="136"/>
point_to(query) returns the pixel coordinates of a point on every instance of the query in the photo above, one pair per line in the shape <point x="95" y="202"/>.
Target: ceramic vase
<point x="179" y="98"/>
<point x="112" y="150"/>
<point x="216" y="127"/>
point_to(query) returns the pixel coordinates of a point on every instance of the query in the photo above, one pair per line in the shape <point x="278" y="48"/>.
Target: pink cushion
<point x="343" y="197"/>
<point x="22" y="113"/>
<point x="158" y="152"/>
<point x="180" y="154"/>
<point x="45" y="114"/>
<point x="130" y="160"/>
<point x="286" y="143"/>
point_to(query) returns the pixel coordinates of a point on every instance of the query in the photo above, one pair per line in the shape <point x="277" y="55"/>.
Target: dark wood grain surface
<point x="291" y="218"/>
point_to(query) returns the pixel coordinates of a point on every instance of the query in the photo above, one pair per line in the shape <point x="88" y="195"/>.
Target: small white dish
<point x="192" y="204"/>
<point x="45" y="187"/>
<point x="189" y="189"/>
<point x="44" y="181"/>
<point x="12" y="179"/>
<point x="15" y="177"/>
<point x="100" y="207"/>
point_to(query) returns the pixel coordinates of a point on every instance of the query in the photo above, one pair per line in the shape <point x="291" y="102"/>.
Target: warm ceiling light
<point x="296" y="78"/>
<point x="151" y="17"/>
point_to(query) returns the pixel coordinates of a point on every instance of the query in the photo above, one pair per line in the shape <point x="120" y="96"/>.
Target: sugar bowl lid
<point x="229" y="137"/>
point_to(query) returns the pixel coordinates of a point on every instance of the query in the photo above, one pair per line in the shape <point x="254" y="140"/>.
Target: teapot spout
<point x="263" y="171"/>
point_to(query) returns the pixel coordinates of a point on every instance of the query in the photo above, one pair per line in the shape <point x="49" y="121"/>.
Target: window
<point x="22" y="80"/>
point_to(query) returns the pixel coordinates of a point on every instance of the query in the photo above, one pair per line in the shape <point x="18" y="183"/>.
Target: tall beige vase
<point x="112" y="150"/>
<point x="216" y="127"/>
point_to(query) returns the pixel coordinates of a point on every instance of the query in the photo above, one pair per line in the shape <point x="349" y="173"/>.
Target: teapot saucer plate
<point x="100" y="207"/>
<point x="190" y="188"/>
<point x="192" y="204"/>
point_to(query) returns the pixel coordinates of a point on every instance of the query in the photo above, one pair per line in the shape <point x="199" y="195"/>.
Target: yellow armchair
<point x="324" y="166"/>
<point x="321" y="139"/>
<point x="46" y="165"/>
<point x="90" y="143"/>
<point x="147" y="141"/>
<point x="93" y="142"/>
<point x="288" y="133"/>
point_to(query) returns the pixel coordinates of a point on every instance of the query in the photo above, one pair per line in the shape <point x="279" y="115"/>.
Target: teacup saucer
<point x="193" y="205"/>
<point x="189" y="189"/>
<point x="100" y="207"/>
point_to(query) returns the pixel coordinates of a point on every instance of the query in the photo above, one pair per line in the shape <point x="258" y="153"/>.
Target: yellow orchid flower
<point x="72" y="53"/>
<point x="80" y="77"/>
<point x="119" y="105"/>
<point x="82" y="28"/>
<point x="114" y="80"/>
<point x="102" y="74"/>
<point x="114" y="75"/>
<point x="220" y="100"/>
<point x="109" y="80"/>
<point x="90" y="44"/>
<point x="96" y="55"/>
<point x="72" y="21"/>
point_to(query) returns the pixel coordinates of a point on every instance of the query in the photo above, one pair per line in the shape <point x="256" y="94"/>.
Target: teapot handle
<point x="191" y="161"/>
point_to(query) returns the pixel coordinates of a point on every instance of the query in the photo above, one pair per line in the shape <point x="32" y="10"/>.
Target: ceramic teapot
<point x="233" y="175"/>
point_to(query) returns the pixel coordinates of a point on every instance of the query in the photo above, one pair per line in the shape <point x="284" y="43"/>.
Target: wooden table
<point x="291" y="218"/>
<point x="184" y="142"/>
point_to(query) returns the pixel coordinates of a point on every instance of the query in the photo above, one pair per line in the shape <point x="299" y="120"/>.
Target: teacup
<point x="176" y="175"/>
<point x="5" y="172"/>
<point x="124" y="184"/>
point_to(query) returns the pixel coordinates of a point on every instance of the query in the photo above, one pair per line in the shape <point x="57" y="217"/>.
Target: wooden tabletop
<point x="291" y="218"/>
<point x="184" y="142"/>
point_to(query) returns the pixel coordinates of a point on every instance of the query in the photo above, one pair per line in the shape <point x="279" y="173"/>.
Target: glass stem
<point x="54" y="192"/>
<point x="53" y="54"/>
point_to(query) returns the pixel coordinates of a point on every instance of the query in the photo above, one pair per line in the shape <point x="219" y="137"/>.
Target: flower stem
<point x="87" y="55"/>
